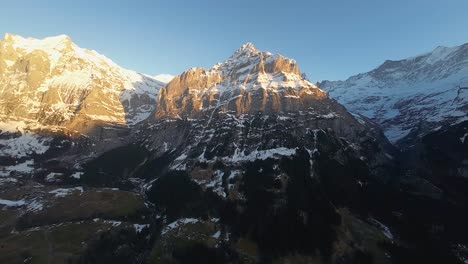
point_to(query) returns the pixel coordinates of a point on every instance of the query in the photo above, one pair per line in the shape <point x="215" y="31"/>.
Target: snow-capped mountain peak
<point x="247" y="46"/>
<point x="248" y="65"/>
<point x="54" y="82"/>
<point x="57" y="47"/>
<point x="247" y="49"/>
<point x="416" y="94"/>
<point x="441" y="53"/>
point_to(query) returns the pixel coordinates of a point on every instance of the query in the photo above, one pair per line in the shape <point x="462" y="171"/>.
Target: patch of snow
<point x="216" y="235"/>
<point x="179" y="162"/>
<point x="24" y="145"/>
<point x="393" y="134"/>
<point x="140" y="227"/>
<point x="77" y="175"/>
<point x="11" y="203"/>
<point x="359" y="119"/>
<point x="329" y="116"/>
<point x="261" y="154"/>
<point x="385" y="230"/>
<point x="7" y="180"/>
<point x="52" y="177"/>
<point x="217" y="183"/>
<point x="462" y="139"/>
<point x="284" y="118"/>
<point x="234" y="174"/>
<point x="183" y="156"/>
<point x="25" y="167"/>
<point x="35" y="206"/>
<point x="9" y="63"/>
<point x="179" y="222"/>
<point x="461" y="251"/>
<point x="111" y="222"/>
<point x="62" y="192"/>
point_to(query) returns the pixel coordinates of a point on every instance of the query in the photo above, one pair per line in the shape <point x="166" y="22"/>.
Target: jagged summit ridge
<point x="249" y="68"/>
<point x="246" y="74"/>
<point x="56" y="42"/>
<point x="246" y="48"/>
<point x="248" y="60"/>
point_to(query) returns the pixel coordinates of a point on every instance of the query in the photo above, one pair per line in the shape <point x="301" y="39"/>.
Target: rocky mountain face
<point x="254" y="101"/>
<point x="410" y="97"/>
<point x="252" y="147"/>
<point x="246" y="162"/>
<point x="53" y="83"/>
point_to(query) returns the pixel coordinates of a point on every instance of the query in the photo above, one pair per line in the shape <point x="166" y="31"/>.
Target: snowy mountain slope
<point x="53" y="82"/>
<point x="416" y="95"/>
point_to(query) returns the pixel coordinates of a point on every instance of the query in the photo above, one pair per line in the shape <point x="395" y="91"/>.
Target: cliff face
<point x="53" y="83"/>
<point x="248" y="82"/>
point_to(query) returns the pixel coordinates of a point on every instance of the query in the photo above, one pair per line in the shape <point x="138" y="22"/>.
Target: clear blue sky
<point x="331" y="39"/>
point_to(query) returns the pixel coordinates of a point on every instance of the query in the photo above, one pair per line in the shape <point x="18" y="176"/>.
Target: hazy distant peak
<point x="164" y="77"/>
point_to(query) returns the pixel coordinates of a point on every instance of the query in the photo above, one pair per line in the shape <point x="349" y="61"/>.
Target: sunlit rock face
<point x="253" y="105"/>
<point x="53" y="83"/>
<point x="247" y="82"/>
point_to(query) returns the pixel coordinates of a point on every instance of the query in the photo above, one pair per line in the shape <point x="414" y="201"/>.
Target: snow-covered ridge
<point x="426" y="90"/>
<point x="56" y="47"/>
<point x="66" y="78"/>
